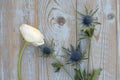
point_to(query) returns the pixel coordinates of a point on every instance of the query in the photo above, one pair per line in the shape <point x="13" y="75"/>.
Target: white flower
<point x="32" y="35"/>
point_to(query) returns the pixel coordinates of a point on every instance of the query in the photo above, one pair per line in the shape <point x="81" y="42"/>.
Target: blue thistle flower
<point x="75" y="56"/>
<point x="46" y="49"/>
<point x="88" y="23"/>
<point x="87" y="20"/>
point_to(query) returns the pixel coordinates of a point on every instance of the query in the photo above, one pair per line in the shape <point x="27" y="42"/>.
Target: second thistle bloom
<point x="88" y="19"/>
<point x="74" y="55"/>
<point x="88" y="22"/>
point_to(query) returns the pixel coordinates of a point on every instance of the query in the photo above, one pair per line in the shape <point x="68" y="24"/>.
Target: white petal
<point x="38" y="43"/>
<point x="31" y="34"/>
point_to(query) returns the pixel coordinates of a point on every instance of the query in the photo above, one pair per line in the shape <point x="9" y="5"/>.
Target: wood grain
<point x="118" y="39"/>
<point x="13" y="14"/>
<point x="56" y="19"/>
<point x="9" y="42"/>
<point x="57" y="22"/>
<point x="104" y="45"/>
<point x="27" y="12"/>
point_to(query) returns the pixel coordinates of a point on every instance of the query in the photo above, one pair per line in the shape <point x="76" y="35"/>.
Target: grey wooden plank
<point x="26" y="10"/>
<point x="13" y="14"/>
<point x="63" y="32"/>
<point x="104" y="45"/>
<point x="118" y="39"/>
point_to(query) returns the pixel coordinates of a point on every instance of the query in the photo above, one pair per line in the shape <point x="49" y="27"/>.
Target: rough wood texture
<point x="118" y="39"/>
<point x="57" y="23"/>
<point x="104" y="45"/>
<point x="57" y="20"/>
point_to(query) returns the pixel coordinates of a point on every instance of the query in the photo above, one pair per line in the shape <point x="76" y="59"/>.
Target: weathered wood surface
<point x="56" y="19"/>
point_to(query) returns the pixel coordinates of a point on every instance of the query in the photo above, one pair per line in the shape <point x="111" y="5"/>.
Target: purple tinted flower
<point x="75" y="56"/>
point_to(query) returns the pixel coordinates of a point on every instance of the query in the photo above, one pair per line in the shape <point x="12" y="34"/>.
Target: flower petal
<point x="32" y="35"/>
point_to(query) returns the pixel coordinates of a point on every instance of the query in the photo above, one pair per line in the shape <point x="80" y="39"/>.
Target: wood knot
<point x="61" y="20"/>
<point x="110" y="16"/>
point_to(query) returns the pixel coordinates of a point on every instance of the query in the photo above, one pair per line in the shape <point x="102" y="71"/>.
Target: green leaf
<point x="86" y="10"/>
<point x="80" y="13"/>
<point x="96" y="73"/>
<point x="97" y="23"/>
<point x="89" y="31"/>
<point x="82" y="37"/>
<point x="85" y="74"/>
<point x="94" y="12"/>
<point x="72" y="47"/>
<point x="78" y="75"/>
<point x="90" y="11"/>
<point x="57" y="66"/>
<point x="66" y="50"/>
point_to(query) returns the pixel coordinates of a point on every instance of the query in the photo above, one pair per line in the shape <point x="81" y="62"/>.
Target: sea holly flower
<point x="47" y="49"/>
<point x="88" y="22"/>
<point x="32" y="35"/>
<point x="74" y="55"/>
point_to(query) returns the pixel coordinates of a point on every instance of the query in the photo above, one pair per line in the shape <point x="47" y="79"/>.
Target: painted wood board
<point x="57" y="20"/>
<point x="104" y="45"/>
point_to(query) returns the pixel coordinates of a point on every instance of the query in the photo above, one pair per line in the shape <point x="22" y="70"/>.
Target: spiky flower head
<point x="47" y="49"/>
<point x="88" y="22"/>
<point x="74" y="55"/>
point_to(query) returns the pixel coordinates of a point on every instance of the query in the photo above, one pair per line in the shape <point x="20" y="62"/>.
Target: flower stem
<point x="67" y="72"/>
<point x="54" y="57"/>
<point x="79" y="67"/>
<point x="19" y="60"/>
<point x="89" y="58"/>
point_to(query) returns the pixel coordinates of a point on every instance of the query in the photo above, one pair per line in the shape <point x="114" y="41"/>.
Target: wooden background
<point x="57" y="20"/>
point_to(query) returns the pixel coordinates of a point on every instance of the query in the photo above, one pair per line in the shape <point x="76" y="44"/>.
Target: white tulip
<point x="32" y="35"/>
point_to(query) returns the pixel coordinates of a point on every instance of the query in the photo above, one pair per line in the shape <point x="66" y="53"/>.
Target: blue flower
<point x="88" y="23"/>
<point x="87" y="20"/>
<point x="75" y="56"/>
<point x="46" y="49"/>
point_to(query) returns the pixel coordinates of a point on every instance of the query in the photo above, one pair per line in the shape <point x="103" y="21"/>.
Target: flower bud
<point x="32" y="35"/>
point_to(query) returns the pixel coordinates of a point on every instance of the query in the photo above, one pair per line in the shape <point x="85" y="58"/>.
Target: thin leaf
<point x="94" y="12"/>
<point x="81" y="38"/>
<point x="57" y="66"/>
<point x="67" y="50"/>
<point x="80" y="13"/>
<point x="97" y="23"/>
<point x="90" y="11"/>
<point x="72" y="47"/>
<point x="96" y="74"/>
<point x="78" y="75"/>
<point x="86" y="10"/>
<point x="63" y="56"/>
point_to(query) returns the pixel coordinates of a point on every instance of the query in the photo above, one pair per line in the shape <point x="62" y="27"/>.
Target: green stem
<point x="80" y="71"/>
<point x="79" y="67"/>
<point x="67" y="72"/>
<point x="19" y="60"/>
<point x="89" y="57"/>
<point x="62" y="67"/>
